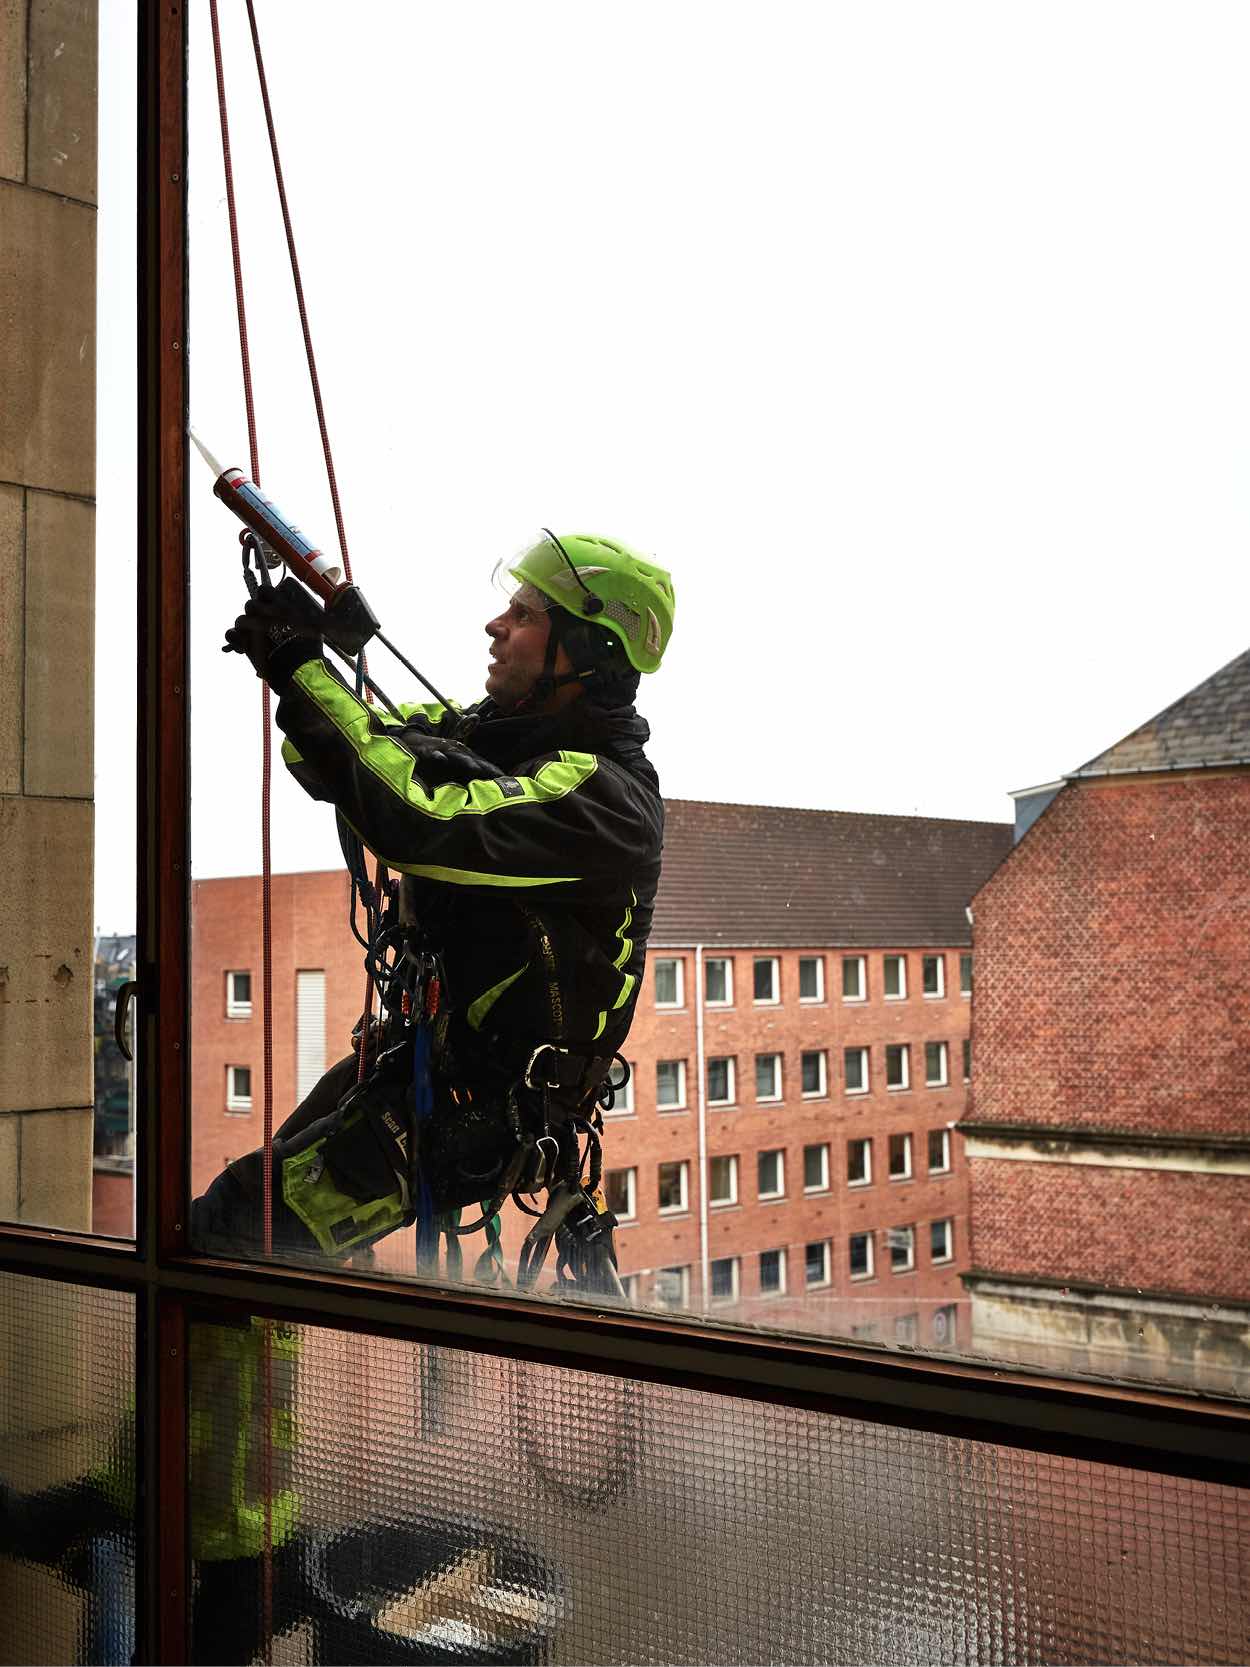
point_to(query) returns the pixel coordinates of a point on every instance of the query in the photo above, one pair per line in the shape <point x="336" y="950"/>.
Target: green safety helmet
<point x="604" y="583"/>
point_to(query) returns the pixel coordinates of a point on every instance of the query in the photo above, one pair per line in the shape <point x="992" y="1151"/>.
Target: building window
<point x="720" y="1082"/>
<point x="906" y="1328"/>
<point x="723" y="1280"/>
<point x="935" y="1065"/>
<point x="768" y="1076"/>
<point x="858" y="1163"/>
<point x="238" y="995"/>
<point x="672" y="1287"/>
<point x="672" y="1188"/>
<point x="670" y="1084"/>
<point x="814" y="1079"/>
<point x="855" y="1070"/>
<point x="900" y="1157"/>
<point x="811" y="978"/>
<point x="967" y="1059"/>
<point x="629" y="1285"/>
<point x="772" y="1273"/>
<point x="620" y="1193"/>
<point x="965" y="975"/>
<point x="860" y="1256"/>
<point x="238" y="1088"/>
<point x="622" y="1092"/>
<point x="669" y="983"/>
<point x="718" y="981"/>
<point x="816" y="1168"/>
<point x="854" y="978"/>
<point x="939" y="1151"/>
<point x="897" y="1069"/>
<point x="722" y="1177"/>
<point x="894" y="977"/>
<point x="816" y="1263"/>
<point x="901" y="1242"/>
<point x="771" y="1174"/>
<point x="942" y="1240"/>
<point x="933" y="976"/>
<point x="767" y="979"/>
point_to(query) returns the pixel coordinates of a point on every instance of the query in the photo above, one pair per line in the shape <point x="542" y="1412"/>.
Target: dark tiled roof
<point x="1210" y="725"/>
<point x="755" y="874"/>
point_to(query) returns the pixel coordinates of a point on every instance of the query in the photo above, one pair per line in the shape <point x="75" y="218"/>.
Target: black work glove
<point x="441" y="760"/>
<point x="279" y="630"/>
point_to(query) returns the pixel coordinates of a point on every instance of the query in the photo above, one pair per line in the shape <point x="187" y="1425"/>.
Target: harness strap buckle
<point x="552" y="1079"/>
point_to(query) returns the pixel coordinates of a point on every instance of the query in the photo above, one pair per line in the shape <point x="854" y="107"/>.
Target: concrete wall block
<point x="46" y="955"/>
<point x="13" y="89"/>
<point x="54" y="1179"/>
<point x="47" y="305"/>
<point x="12" y="631"/>
<point x="9" y="1145"/>
<point x="60" y="646"/>
<point x="62" y="97"/>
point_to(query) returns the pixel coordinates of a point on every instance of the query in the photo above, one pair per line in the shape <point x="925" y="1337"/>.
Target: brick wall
<point x="1138" y="1229"/>
<point x="1112" y="948"/>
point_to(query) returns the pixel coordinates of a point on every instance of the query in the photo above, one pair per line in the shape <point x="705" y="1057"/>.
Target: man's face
<point x="518" y="645"/>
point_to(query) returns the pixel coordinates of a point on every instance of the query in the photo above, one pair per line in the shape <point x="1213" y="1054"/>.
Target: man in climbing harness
<point x="525" y="832"/>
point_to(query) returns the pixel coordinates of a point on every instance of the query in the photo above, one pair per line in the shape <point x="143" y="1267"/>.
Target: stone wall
<point x="48" y="54"/>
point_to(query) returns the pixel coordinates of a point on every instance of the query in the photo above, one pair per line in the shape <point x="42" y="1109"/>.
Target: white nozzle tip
<point x="217" y="468"/>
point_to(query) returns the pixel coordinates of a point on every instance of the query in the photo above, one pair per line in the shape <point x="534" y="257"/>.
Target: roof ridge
<point x="812" y="810"/>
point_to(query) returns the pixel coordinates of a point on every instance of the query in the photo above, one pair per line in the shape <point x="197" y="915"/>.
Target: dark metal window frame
<point x="1110" y="1422"/>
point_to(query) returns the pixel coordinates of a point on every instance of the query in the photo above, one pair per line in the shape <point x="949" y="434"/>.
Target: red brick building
<point x="1109" y="1126"/>
<point x="785" y="1150"/>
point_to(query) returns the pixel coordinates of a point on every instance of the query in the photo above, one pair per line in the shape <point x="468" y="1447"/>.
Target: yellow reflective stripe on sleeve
<point x="394" y="765"/>
<point x="471" y="877"/>
<point x="481" y="1007"/>
<point x="628" y="980"/>
<point x="291" y="753"/>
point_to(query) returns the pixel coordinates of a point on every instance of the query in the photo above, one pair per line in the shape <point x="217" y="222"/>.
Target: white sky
<point x="913" y="339"/>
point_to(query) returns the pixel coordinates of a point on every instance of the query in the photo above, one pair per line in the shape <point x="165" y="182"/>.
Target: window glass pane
<point x="855" y="1066"/>
<point x="895" y="975"/>
<point x="939" y="1149"/>
<point x="716" y="980"/>
<point x="932" y="970"/>
<point x="672" y="1186"/>
<point x="896" y="1065"/>
<point x="767" y="1076"/>
<point x="670" y="1082"/>
<point x="815" y="1166"/>
<point x="765" y="980"/>
<point x="860" y="1255"/>
<point x="852" y="977"/>
<point x="810" y="979"/>
<point x="723" y="1180"/>
<point x="667" y="991"/>
<point x="719" y="1079"/>
<point x="618" y="1189"/>
<point x="858" y="1160"/>
<point x="772" y="1272"/>
<point x="816" y="1263"/>
<point x="770" y="1173"/>
<point x="900" y="1155"/>
<point x="491" y="1504"/>
<point x="724" y="1277"/>
<point x="965" y="974"/>
<point x="813" y="1067"/>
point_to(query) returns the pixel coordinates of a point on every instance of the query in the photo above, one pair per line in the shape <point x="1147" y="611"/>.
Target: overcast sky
<point x="913" y="339"/>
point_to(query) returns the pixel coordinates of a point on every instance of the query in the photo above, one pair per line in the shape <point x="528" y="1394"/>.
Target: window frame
<point x="725" y="961"/>
<point x="630" y="1173"/>
<point x="945" y="1167"/>
<point x="865" y="1054"/>
<point x="773" y="1000"/>
<point x="943" y="1079"/>
<point x="817" y="961"/>
<point x="937" y="961"/>
<point x="903" y="1051"/>
<point x="861" y="962"/>
<point x="779" y="1251"/>
<point x="624" y="1102"/>
<point x="678" y="963"/>
<point x="870" y="1271"/>
<point x="731" y="1079"/>
<point x="948" y="1255"/>
<point x="825" y="1246"/>
<point x="239" y="1104"/>
<point x="682" y="1166"/>
<point x="864" y="1141"/>
<point x="682" y="1305"/>
<point x="909" y="1266"/>
<point x="778" y="1093"/>
<point x="735" y="1271"/>
<point x="236" y="1006"/>
<point x="908" y="1172"/>
<point x="821" y="1146"/>
<point x="821" y="1093"/>
<point x="965" y="965"/>
<point x="778" y="1152"/>
<point x="1145" y="1427"/>
<point x="730" y="1158"/>
<point x="900" y="961"/>
<point x="681" y="1102"/>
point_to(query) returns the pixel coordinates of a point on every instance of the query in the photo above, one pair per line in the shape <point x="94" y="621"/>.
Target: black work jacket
<point x="537" y="888"/>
